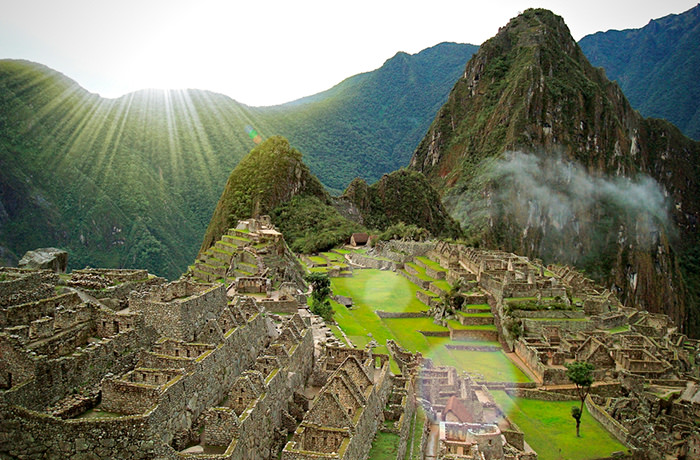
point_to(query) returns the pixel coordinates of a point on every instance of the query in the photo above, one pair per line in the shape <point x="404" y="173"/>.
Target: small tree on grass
<point x="581" y="374"/>
<point x="320" y="295"/>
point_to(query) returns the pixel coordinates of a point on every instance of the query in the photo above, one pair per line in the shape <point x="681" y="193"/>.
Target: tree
<point x="320" y="294"/>
<point x="581" y="374"/>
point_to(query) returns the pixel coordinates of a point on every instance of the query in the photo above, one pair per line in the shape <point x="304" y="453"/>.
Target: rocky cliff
<point x="537" y="152"/>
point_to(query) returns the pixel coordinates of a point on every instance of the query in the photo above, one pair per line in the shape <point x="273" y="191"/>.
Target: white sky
<point x="266" y="52"/>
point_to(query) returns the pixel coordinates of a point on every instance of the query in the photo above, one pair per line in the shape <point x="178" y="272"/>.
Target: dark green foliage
<point x="453" y="299"/>
<point x="310" y="225"/>
<point x="580" y="373"/>
<point x="515" y="327"/>
<point x="320" y="295"/>
<point x="402" y="197"/>
<point x="402" y="231"/>
<point x="656" y="67"/>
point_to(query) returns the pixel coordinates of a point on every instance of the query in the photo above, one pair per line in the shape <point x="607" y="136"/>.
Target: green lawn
<point x="384" y="447"/>
<point x="387" y="291"/>
<point x="379" y="290"/>
<point x="479" y="306"/>
<point x="456" y="325"/>
<point x="551" y="431"/>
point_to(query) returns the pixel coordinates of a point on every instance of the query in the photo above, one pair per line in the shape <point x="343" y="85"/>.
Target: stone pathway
<point x="431" y="449"/>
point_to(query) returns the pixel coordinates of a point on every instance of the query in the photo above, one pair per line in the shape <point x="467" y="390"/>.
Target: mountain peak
<point x="531" y="89"/>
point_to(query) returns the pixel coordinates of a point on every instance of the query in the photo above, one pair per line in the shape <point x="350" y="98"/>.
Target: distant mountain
<point x="133" y="181"/>
<point x="656" y="66"/>
<point x="370" y="124"/>
<point x="538" y="153"/>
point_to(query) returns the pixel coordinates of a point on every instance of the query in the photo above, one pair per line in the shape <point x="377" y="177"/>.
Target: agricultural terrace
<point x="551" y="431"/>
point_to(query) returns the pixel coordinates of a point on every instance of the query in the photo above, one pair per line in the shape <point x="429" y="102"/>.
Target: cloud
<point x="570" y="212"/>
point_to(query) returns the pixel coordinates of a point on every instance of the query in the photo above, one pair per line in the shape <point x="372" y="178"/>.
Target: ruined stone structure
<point x="143" y="381"/>
<point x="346" y="412"/>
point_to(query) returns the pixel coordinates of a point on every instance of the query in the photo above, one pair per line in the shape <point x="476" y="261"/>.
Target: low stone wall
<point x="370" y="262"/>
<point x="613" y="426"/>
<point x="475" y="320"/>
<point x="280" y="306"/>
<point x="474" y="347"/>
<point x="539" y="395"/>
<point x="427" y="299"/>
<point x="404" y="314"/>
<point x="433" y="273"/>
<point x="549" y="314"/>
<point x="415" y="280"/>
<point x="435" y="333"/>
<point x="532" y="325"/>
<point x="473" y="334"/>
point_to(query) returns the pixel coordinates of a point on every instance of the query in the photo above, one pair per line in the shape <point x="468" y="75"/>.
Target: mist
<point x="562" y="210"/>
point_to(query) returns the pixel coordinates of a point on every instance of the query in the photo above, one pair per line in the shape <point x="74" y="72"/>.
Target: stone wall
<point x="613" y="426"/>
<point x="179" y="310"/>
<point x="280" y="306"/>
<point x="532" y="325"/>
<point x="371" y="262"/>
<point x="263" y="417"/>
<point x="473" y="334"/>
<point x="403" y="314"/>
<point x="23" y="286"/>
<point x="81" y="369"/>
<point x="27" y="312"/>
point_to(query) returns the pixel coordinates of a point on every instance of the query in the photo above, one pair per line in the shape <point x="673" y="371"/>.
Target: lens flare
<point x="253" y="134"/>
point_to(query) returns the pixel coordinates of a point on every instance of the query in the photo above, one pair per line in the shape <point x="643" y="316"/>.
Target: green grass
<point x="333" y="257"/>
<point x="379" y="290"/>
<point x="480" y="306"/>
<point x="442" y="285"/>
<point x="413" y="451"/>
<point x="454" y="324"/>
<point x="430" y="263"/>
<point x="384" y="446"/>
<point x="551" y="431"/>
<point x="624" y="328"/>
<point x="317" y="260"/>
<point x="475" y="315"/>
<point x="376" y="290"/>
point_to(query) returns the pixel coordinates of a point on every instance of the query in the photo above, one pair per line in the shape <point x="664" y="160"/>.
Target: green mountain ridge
<point x="531" y="89"/>
<point x="656" y="67"/>
<point x="133" y="181"/>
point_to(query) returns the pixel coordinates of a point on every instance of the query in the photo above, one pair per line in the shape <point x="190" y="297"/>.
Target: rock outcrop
<point x="45" y="258"/>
